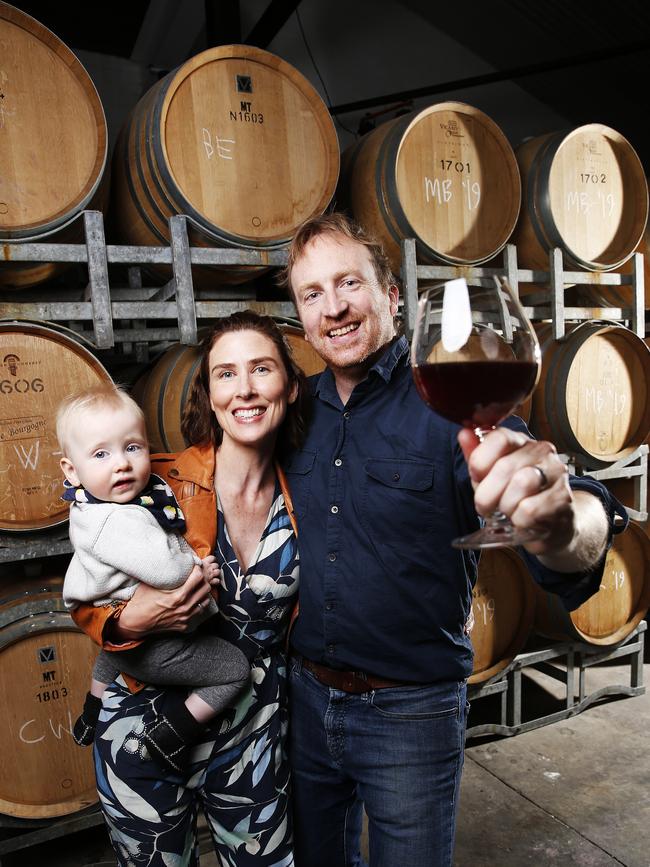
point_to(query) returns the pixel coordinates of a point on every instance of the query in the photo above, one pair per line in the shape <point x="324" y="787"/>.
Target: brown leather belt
<point x="347" y="681"/>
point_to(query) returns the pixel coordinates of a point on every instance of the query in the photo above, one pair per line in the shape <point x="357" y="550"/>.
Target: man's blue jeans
<point x="397" y="751"/>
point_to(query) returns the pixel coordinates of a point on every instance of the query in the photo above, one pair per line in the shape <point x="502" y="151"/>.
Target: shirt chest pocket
<point x="298" y="470"/>
<point x="397" y="504"/>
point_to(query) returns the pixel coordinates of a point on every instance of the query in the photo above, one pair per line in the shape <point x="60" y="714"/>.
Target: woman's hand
<point x="150" y="610"/>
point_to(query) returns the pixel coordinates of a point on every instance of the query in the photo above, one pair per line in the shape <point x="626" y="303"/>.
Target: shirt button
<point x="334" y="510"/>
<point x="328" y="606"/>
<point x="396" y="477"/>
<point x="331" y="557"/>
<point x="338" y="462"/>
<point x="330" y="648"/>
<point x="346" y="414"/>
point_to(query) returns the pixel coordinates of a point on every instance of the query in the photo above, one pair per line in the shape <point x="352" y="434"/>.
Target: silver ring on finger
<point x="199" y="605"/>
<point x="543" y="478"/>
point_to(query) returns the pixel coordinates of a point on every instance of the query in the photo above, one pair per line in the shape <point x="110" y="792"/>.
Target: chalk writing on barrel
<point x="31" y="731"/>
<point x="441" y="191"/>
<point x="28" y="456"/>
<point x="219" y="145"/>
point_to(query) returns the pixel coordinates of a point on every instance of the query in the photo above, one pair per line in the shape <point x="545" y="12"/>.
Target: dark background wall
<point x="534" y="67"/>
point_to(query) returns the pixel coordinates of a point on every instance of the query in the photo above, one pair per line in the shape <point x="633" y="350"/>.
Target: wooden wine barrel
<point x="584" y="191"/>
<point x="598" y="295"/>
<point x="46" y="665"/>
<point x="644" y="248"/>
<point x="235" y="138"/>
<point x="40" y="364"/>
<point x="628" y="492"/>
<point x="620" y="604"/>
<point x="53" y="146"/>
<point x="593" y="396"/>
<point x="503" y="607"/>
<point x="446" y="176"/>
<point x="304" y="354"/>
<point x="163" y="387"/>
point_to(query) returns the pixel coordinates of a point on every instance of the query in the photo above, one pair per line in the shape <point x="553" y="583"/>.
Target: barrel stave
<point x="503" y="601"/>
<point x="47" y="663"/>
<point x="40" y="364"/>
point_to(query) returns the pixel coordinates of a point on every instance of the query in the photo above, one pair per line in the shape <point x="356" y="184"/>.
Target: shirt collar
<point x="391" y="357"/>
<point x="325" y="386"/>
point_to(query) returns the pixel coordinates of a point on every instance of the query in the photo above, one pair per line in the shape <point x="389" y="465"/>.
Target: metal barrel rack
<point x="566" y="662"/>
<point x="102" y="305"/>
<point x="25" y="835"/>
<point x="550" y="305"/>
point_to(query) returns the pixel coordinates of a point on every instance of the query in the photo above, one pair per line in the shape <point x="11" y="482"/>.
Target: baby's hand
<point x="211" y="572"/>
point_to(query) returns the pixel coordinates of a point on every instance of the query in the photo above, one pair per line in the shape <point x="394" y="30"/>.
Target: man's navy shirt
<point x="380" y="489"/>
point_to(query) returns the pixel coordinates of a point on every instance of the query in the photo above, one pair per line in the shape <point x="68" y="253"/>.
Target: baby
<point x="125" y="527"/>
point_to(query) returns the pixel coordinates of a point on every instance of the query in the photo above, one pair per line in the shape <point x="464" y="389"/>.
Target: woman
<point x="248" y="402"/>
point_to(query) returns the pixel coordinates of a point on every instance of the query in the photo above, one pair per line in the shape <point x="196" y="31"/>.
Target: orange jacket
<point x="190" y="474"/>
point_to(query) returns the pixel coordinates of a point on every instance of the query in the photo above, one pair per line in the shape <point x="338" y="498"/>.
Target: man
<point x="381" y="647"/>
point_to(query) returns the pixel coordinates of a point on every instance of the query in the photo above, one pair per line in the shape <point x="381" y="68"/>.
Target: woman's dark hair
<point x="199" y="425"/>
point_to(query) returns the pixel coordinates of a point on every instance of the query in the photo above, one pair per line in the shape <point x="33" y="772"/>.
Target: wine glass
<point x="475" y="358"/>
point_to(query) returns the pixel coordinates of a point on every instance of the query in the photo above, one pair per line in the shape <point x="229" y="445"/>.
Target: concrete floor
<point x="574" y="792"/>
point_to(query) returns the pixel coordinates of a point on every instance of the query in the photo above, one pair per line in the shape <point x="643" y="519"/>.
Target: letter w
<point x="28" y="458"/>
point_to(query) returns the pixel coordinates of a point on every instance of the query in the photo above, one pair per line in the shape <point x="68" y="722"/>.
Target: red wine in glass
<point x="475" y="358"/>
<point x="458" y="390"/>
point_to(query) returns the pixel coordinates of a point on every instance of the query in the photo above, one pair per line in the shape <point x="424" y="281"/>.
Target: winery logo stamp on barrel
<point x="591" y="146"/>
<point x="452" y="129"/>
<point x="52" y="687"/>
<point x="244" y="84"/>
<point x="11" y="363"/>
<point x="46" y="654"/>
<point x="18" y="428"/>
<point x="21" y="386"/>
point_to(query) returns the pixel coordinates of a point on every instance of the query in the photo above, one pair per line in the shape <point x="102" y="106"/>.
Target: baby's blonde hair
<point x="106" y="394"/>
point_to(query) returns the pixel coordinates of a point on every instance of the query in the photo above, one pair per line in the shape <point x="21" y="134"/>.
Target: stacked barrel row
<point x="240" y="141"/>
<point x="236" y="139"/>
